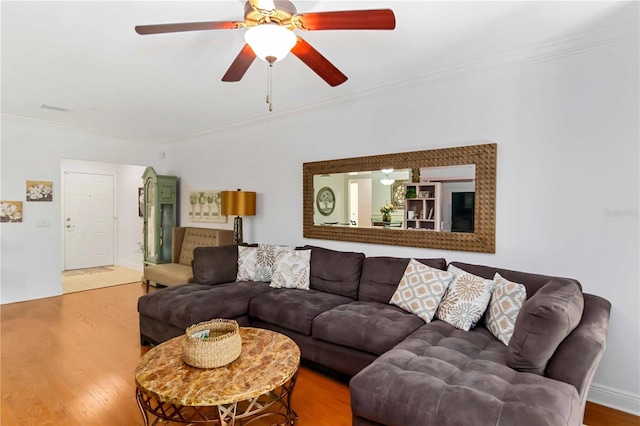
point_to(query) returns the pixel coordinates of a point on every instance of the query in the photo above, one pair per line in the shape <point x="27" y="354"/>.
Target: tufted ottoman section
<point x="440" y="375"/>
<point x="184" y="305"/>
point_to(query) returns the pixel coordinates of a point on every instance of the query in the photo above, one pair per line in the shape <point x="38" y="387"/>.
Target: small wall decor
<point x="326" y="201"/>
<point x="140" y="202"/>
<point x="397" y="193"/>
<point x="206" y="206"/>
<point x="11" y="211"/>
<point x="39" y="190"/>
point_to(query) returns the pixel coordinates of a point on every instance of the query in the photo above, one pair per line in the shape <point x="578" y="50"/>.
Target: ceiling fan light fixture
<point x="270" y="42"/>
<point x="387" y="180"/>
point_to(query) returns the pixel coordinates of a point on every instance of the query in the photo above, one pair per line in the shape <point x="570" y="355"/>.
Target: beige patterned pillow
<point x="292" y="270"/>
<point x="247" y="263"/>
<point x="466" y="299"/>
<point x="421" y="289"/>
<point x="506" y="301"/>
<point x="268" y="256"/>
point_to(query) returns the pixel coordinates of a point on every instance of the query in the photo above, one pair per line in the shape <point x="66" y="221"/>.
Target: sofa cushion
<point x="505" y="304"/>
<point x="421" y="289"/>
<point x="544" y="321"/>
<point x="169" y="274"/>
<point x="336" y="272"/>
<point x="369" y="326"/>
<point x="466" y="299"/>
<point x="189" y="304"/>
<point x="381" y="275"/>
<point x="247" y="263"/>
<point x="440" y="375"/>
<point x="533" y="282"/>
<point x="293" y="309"/>
<point x="215" y="265"/>
<point x="292" y="270"/>
<point x="268" y="256"/>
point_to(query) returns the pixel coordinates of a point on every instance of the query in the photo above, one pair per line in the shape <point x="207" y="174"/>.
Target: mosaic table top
<point x="268" y="359"/>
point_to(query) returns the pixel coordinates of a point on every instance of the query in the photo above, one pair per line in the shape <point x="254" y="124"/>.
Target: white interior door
<point x="353" y="203"/>
<point x="360" y="201"/>
<point x="88" y="220"/>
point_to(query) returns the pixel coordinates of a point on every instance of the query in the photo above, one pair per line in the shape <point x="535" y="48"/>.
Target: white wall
<point x="31" y="257"/>
<point x="567" y="186"/>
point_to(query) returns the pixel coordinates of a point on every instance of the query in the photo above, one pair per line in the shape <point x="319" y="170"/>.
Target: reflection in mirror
<point x="440" y="198"/>
<point x="455" y="202"/>
<point x="360" y="196"/>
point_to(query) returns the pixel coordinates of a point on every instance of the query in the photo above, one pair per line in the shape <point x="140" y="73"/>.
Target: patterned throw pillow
<point x="506" y="301"/>
<point x="466" y="299"/>
<point x="421" y="289"/>
<point x="247" y="263"/>
<point x="268" y="256"/>
<point x="292" y="270"/>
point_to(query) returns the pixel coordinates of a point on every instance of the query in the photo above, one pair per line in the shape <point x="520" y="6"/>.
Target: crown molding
<point x="542" y="53"/>
<point x="65" y="126"/>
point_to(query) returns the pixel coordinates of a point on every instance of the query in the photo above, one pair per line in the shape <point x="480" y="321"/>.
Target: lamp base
<point x="237" y="230"/>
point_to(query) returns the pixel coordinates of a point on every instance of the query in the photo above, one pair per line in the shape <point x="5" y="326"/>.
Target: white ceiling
<point x="85" y="56"/>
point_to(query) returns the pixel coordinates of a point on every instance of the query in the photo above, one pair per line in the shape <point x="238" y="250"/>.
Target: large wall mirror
<point x="439" y="198"/>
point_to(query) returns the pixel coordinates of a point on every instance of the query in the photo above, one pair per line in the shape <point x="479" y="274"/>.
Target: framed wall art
<point x="205" y="206"/>
<point x="39" y="190"/>
<point x="11" y="211"/>
<point x="141" y="202"/>
<point x="326" y="201"/>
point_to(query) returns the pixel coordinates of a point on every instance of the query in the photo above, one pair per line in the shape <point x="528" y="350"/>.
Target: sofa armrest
<point x="177" y="236"/>
<point x="577" y="357"/>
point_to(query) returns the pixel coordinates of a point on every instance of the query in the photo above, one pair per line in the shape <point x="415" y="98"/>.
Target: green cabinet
<point x="160" y="215"/>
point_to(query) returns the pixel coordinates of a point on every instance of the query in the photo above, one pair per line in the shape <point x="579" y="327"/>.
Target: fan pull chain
<point x="270" y="87"/>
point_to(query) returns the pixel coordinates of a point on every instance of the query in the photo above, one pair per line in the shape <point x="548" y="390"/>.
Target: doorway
<point x="91" y="258"/>
<point x="88" y="220"/>
<point x="360" y="202"/>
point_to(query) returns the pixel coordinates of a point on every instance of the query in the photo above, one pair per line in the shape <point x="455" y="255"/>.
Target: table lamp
<point x="238" y="203"/>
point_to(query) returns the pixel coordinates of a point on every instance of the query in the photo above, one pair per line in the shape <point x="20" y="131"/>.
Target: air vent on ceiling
<point x="55" y="108"/>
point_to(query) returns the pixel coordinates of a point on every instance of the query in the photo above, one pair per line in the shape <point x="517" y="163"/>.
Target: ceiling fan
<point x="270" y="35"/>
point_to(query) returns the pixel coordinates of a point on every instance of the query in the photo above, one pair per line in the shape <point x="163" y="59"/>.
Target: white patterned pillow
<point x="506" y="301"/>
<point x="466" y="299"/>
<point x="421" y="289"/>
<point x="292" y="270"/>
<point x="247" y="263"/>
<point x="268" y="256"/>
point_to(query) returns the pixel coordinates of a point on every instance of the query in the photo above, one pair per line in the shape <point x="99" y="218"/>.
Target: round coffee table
<point x="257" y="384"/>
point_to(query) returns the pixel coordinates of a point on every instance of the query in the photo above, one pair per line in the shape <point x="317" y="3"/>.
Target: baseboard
<point x="40" y="294"/>
<point x="614" y="398"/>
<point x="130" y="265"/>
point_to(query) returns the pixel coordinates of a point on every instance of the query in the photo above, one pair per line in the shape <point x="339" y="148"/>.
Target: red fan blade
<point x="318" y="63"/>
<point x="188" y="26"/>
<point x="240" y="65"/>
<point x="378" y="19"/>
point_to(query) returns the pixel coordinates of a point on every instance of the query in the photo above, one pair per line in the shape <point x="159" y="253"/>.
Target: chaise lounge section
<point x="405" y="371"/>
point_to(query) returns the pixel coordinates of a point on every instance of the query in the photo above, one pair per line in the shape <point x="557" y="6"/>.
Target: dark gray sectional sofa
<point x="406" y="372"/>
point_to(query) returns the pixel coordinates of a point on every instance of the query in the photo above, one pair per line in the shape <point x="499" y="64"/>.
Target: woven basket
<point x="221" y="346"/>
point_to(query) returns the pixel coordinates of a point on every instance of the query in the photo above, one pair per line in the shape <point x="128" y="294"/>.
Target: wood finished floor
<point x="93" y="278"/>
<point x="69" y="360"/>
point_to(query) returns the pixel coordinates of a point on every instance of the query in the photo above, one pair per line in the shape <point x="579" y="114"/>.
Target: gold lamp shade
<point x="238" y="203"/>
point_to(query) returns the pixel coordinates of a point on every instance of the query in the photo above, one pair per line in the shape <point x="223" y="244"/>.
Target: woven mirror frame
<point x="481" y="240"/>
